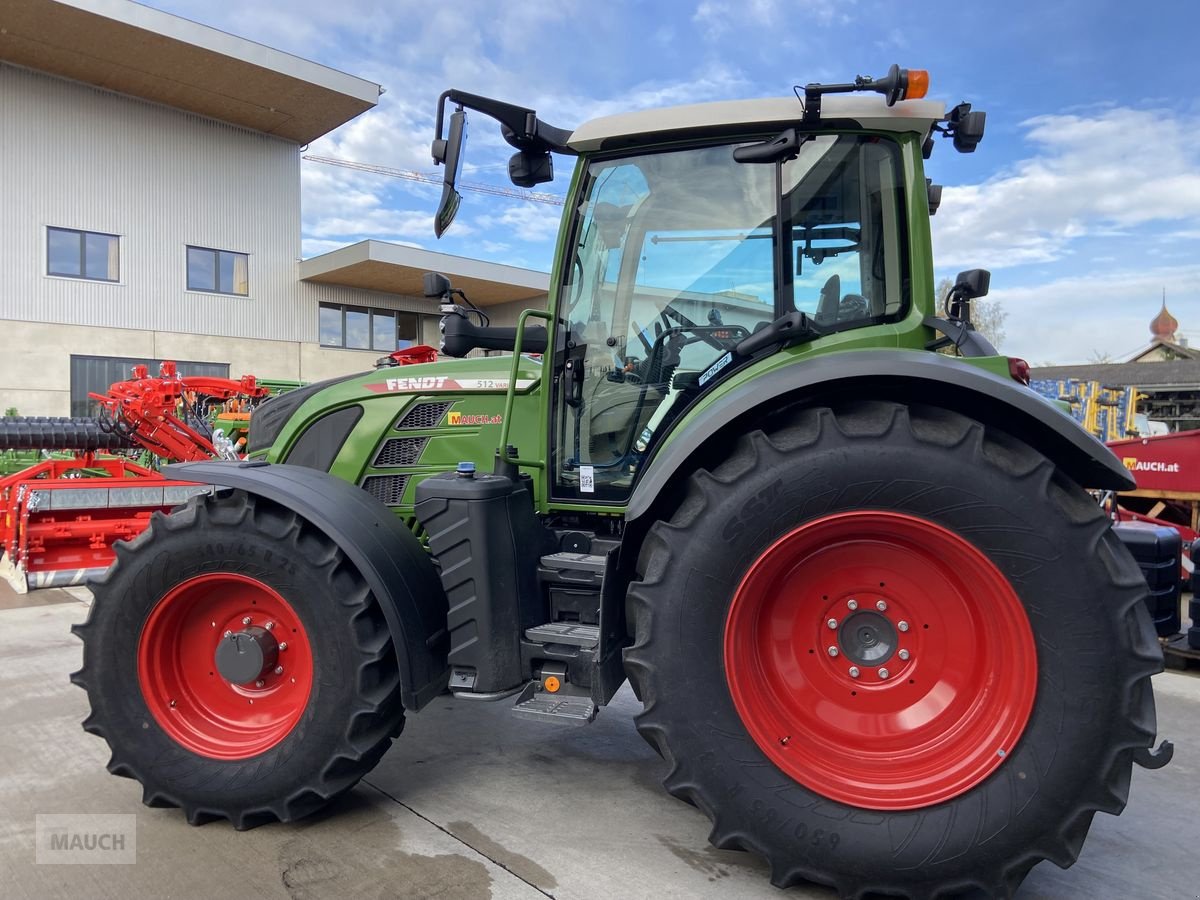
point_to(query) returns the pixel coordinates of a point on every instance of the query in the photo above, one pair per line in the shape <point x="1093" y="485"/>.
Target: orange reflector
<point x="918" y="84"/>
<point x="551" y="684"/>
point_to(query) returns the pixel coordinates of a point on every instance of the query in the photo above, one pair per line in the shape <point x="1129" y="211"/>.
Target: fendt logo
<point x="428" y="382"/>
<point x="1133" y="464"/>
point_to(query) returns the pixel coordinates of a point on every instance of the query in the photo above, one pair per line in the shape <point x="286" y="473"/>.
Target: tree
<point x="986" y="315"/>
<point x="1099" y="357"/>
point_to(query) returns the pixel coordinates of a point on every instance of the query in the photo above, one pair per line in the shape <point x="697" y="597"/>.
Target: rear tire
<point x="976" y="492"/>
<point x="196" y="740"/>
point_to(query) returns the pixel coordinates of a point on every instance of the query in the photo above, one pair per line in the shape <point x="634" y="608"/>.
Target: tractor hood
<point x="386" y="428"/>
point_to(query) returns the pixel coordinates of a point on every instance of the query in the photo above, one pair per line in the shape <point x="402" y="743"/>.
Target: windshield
<point x="680" y="255"/>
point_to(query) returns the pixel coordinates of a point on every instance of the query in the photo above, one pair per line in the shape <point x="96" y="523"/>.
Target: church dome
<point x="1164" y="325"/>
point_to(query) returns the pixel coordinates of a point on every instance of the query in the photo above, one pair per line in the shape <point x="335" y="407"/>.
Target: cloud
<point x="1093" y="175"/>
<point x="1065" y="319"/>
<point x="527" y="222"/>
<point x="714" y="19"/>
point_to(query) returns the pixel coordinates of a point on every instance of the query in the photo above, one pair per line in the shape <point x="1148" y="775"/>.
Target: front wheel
<point x="237" y="664"/>
<point x="893" y="651"/>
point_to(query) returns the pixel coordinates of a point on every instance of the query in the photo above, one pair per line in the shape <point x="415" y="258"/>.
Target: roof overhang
<point x="725" y="116"/>
<point x="132" y="49"/>
<point x="396" y="269"/>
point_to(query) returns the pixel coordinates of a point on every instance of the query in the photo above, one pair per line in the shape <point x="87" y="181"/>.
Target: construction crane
<point x="427" y="178"/>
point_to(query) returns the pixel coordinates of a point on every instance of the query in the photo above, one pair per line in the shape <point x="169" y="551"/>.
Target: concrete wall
<point x="35" y="374"/>
<point x="506" y="314"/>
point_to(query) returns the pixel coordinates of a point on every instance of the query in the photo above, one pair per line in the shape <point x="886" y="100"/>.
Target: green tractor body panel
<point x="434" y="414"/>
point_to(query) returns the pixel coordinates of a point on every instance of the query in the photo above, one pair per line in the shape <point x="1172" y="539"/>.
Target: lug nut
<point x="903" y="654"/>
<point x="881" y="606"/>
<point x="172" y="704"/>
<point x="854" y="671"/>
<point x="902" y="625"/>
<point x="883" y="674"/>
<point x="246" y="621"/>
<point x="832" y="623"/>
<point x="283" y="645"/>
<point x="269" y="626"/>
<point x="832" y="651"/>
<point x="228" y="634"/>
<point x="258" y="683"/>
<point x="279" y="670"/>
<point x="852" y="605"/>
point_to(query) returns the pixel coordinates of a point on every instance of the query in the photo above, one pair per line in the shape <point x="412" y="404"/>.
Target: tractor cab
<point x="704" y="238"/>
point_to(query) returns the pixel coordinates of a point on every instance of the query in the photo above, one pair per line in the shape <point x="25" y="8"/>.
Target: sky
<point x="1083" y="199"/>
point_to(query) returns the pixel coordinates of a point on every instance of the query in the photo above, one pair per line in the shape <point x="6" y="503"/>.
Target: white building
<point x="150" y="209"/>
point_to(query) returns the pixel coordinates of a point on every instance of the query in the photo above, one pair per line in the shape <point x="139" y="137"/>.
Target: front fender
<point x="388" y="556"/>
<point x="907" y="376"/>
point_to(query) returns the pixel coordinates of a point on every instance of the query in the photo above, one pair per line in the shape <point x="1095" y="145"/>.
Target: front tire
<point x="190" y="720"/>
<point x="1009" y="719"/>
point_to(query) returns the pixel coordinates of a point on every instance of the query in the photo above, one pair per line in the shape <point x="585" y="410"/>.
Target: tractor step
<point x="581" y="566"/>
<point x="569" y="710"/>
<point x="571" y="634"/>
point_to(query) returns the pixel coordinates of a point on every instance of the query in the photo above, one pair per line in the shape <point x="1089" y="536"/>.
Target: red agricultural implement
<point x="60" y="517"/>
<point x="1167" y="469"/>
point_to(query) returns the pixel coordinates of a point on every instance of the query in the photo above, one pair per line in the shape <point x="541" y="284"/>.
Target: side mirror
<point x="968" y="286"/>
<point x="527" y="168"/>
<point x="972" y="283"/>
<point x="450" y="154"/>
<point x="435" y="285"/>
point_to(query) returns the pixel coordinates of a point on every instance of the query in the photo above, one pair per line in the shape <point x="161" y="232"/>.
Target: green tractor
<point x="881" y="631"/>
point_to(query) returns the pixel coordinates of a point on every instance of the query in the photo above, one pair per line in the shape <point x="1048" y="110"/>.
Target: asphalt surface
<point x="472" y="803"/>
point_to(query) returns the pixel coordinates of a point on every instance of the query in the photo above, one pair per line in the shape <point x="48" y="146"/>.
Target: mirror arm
<point x="523" y="129"/>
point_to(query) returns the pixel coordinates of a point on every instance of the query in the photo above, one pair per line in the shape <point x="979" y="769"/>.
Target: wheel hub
<point x="225" y="665"/>
<point x="244" y="657"/>
<point x="880" y="659"/>
<point x="867" y="639"/>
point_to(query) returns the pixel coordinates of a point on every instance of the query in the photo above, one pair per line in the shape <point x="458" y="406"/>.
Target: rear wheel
<point x="238" y="665"/>
<point x="893" y="652"/>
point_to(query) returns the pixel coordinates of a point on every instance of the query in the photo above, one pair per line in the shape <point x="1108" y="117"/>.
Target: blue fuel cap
<point x="466" y="470"/>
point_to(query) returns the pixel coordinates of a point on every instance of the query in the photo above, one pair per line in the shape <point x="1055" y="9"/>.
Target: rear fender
<point x="905" y="376"/>
<point x="388" y="556"/>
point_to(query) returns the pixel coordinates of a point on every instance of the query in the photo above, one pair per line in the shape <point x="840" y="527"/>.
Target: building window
<point x="71" y="253"/>
<point x="96" y="373"/>
<point x="218" y="271"/>
<point x="360" y="328"/>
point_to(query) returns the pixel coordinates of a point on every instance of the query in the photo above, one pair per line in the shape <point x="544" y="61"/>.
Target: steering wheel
<point x="668" y="313"/>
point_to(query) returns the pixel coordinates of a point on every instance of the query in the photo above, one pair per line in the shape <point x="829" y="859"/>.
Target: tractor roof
<point x="702" y="119"/>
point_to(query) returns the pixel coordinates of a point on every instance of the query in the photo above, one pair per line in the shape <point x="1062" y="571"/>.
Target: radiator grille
<point x="423" y="415"/>
<point x="400" y="452"/>
<point x="387" y="489"/>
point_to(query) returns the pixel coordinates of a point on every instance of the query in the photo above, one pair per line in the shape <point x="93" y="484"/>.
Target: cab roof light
<point x="897" y="84"/>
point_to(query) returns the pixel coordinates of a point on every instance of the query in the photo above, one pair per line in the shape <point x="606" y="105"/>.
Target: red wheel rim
<point x="830" y="595"/>
<point x="183" y="686"/>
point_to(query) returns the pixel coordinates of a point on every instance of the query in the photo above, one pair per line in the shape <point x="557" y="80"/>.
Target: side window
<point x="843" y="203"/>
<point x="714" y="277"/>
